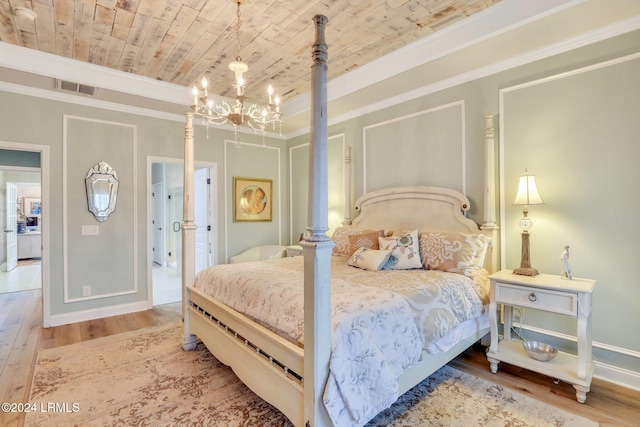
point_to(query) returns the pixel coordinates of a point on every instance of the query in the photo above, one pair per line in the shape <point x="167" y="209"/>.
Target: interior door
<point x="12" y="226"/>
<point x="157" y="223"/>
<point x="201" y="200"/>
<point x="174" y="209"/>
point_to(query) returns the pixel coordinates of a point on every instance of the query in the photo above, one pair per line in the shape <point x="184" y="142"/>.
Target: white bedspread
<point x="381" y="321"/>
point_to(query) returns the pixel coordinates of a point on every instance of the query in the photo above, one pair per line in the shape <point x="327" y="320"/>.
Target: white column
<point x="317" y="247"/>
<point x="489" y="224"/>
<point x="347" y="186"/>
<point x="188" y="232"/>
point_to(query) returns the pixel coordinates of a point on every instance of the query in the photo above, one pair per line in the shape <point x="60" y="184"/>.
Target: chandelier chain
<point x="238" y="24"/>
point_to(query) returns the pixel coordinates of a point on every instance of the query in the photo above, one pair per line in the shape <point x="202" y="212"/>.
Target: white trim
<point x="228" y="199"/>
<point x="463" y="133"/>
<point x="45" y="228"/>
<point x="491" y="22"/>
<point x="65" y="209"/>
<point x="595" y="36"/>
<point x="114" y="106"/>
<point x="59" y="67"/>
<point x="97" y="313"/>
<point x="86" y="101"/>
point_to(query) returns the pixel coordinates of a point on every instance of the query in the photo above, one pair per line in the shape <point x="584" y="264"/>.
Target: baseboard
<point x="618" y="376"/>
<point x="97" y="313"/>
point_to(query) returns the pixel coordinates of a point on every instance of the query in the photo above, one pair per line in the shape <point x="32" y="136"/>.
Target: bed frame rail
<point x="265" y="362"/>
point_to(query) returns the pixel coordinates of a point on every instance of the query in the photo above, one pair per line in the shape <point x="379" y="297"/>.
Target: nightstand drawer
<point x="544" y="299"/>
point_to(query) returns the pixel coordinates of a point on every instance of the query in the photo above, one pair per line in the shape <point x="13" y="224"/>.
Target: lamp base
<point x="526" y="271"/>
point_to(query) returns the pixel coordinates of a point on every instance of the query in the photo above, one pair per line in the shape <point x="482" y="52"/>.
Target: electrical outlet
<point x="86" y="291"/>
<point x="90" y="230"/>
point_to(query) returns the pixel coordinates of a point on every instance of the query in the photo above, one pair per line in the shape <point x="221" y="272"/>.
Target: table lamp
<point x="527" y="195"/>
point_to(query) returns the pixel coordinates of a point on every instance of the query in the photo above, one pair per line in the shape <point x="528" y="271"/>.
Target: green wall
<point x="115" y="263"/>
<point x="577" y="132"/>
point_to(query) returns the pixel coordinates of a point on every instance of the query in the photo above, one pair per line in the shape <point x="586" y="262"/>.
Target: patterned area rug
<point x="144" y="378"/>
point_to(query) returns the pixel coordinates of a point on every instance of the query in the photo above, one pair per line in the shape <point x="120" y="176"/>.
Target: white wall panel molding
<point x="230" y="144"/>
<point x="576" y="131"/>
<point x="370" y="145"/>
<point x="502" y="115"/>
<point x="67" y="148"/>
<point x="336" y="192"/>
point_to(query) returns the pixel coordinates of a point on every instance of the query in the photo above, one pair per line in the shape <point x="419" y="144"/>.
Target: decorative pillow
<point x="369" y="259"/>
<point x="405" y="251"/>
<point x="342" y="239"/>
<point x="453" y="252"/>
<point x="365" y="240"/>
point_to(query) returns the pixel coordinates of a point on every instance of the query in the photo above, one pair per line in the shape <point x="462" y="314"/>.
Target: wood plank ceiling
<point x="179" y="41"/>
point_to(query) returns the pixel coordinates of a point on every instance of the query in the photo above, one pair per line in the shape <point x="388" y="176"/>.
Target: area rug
<point x="144" y="378"/>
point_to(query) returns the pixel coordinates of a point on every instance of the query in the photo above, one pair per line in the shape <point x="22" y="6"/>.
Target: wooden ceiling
<point x="180" y="41"/>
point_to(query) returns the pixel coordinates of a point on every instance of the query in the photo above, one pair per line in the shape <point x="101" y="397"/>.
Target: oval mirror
<point x="102" y="190"/>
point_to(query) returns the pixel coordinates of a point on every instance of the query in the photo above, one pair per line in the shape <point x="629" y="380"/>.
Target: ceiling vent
<point x="76" y="87"/>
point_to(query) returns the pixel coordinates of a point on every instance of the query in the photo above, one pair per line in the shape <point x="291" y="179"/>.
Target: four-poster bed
<point x="290" y="374"/>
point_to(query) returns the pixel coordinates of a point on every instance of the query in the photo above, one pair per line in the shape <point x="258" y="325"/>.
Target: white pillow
<point x="369" y="259"/>
<point x="405" y="251"/>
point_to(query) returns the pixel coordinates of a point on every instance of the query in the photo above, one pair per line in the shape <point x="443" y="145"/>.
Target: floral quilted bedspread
<point x="381" y="320"/>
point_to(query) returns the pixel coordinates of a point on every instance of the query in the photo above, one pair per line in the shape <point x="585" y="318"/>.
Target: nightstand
<point x="555" y="294"/>
<point x="295" y="250"/>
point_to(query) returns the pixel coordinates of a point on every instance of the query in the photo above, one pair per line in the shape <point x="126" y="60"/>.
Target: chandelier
<point x="256" y="117"/>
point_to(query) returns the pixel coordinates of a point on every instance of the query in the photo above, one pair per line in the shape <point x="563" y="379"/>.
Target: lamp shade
<point x="527" y="191"/>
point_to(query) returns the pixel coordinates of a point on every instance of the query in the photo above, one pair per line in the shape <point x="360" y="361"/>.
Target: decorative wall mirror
<point x="102" y="190"/>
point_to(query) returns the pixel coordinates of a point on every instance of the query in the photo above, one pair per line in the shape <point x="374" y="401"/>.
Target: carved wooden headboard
<point x="417" y="207"/>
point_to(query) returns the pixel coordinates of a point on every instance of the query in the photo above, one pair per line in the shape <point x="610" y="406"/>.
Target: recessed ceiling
<point x="146" y="52"/>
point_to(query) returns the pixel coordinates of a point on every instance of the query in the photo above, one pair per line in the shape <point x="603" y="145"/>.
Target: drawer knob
<point x="533" y="297"/>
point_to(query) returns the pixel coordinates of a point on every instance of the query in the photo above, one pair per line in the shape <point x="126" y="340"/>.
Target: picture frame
<point x="31" y="206"/>
<point x="252" y="199"/>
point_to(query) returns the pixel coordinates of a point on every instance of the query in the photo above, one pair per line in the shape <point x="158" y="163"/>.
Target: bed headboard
<point x="422" y="207"/>
<point x="408" y="208"/>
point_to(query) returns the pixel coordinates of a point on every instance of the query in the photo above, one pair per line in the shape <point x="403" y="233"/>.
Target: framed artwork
<point x="252" y="199"/>
<point x="32" y="207"/>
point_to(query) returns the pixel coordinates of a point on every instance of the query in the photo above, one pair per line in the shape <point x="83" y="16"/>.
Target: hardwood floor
<point x="21" y="336"/>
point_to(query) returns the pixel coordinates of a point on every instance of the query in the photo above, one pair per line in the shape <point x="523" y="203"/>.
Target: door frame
<point x="213" y="167"/>
<point x="11" y="217"/>
<point x="45" y="219"/>
<point x="157" y="244"/>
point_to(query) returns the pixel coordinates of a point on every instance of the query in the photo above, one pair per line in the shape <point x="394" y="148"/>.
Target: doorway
<point x="20" y="262"/>
<point x="166" y="178"/>
<point x="26" y="165"/>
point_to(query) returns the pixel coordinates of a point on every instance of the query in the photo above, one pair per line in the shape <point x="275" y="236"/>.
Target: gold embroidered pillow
<point x="369" y="259"/>
<point x="365" y="240"/>
<point x="405" y="251"/>
<point x="453" y="252"/>
<point x="341" y="238"/>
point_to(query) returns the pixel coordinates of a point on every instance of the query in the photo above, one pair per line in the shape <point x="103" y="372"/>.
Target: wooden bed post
<point x="489" y="224"/>
<point x="347" y="186"/>
<point x="317" y="246"/>
<point x="188" y="232"/>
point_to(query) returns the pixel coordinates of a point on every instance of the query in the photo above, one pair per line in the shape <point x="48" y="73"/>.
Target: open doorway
<point x="26" y="164"/>
<point x="166" y="193"/>
<point x="20" y="262"/>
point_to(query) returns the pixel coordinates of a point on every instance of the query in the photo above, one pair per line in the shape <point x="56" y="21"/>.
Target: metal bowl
<point x="540" y="351"/>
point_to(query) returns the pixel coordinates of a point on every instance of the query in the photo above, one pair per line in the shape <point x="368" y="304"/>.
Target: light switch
<point x="90" y="230"/>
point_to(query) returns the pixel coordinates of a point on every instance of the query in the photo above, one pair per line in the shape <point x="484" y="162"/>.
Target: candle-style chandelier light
<point x="256" y="117"/>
